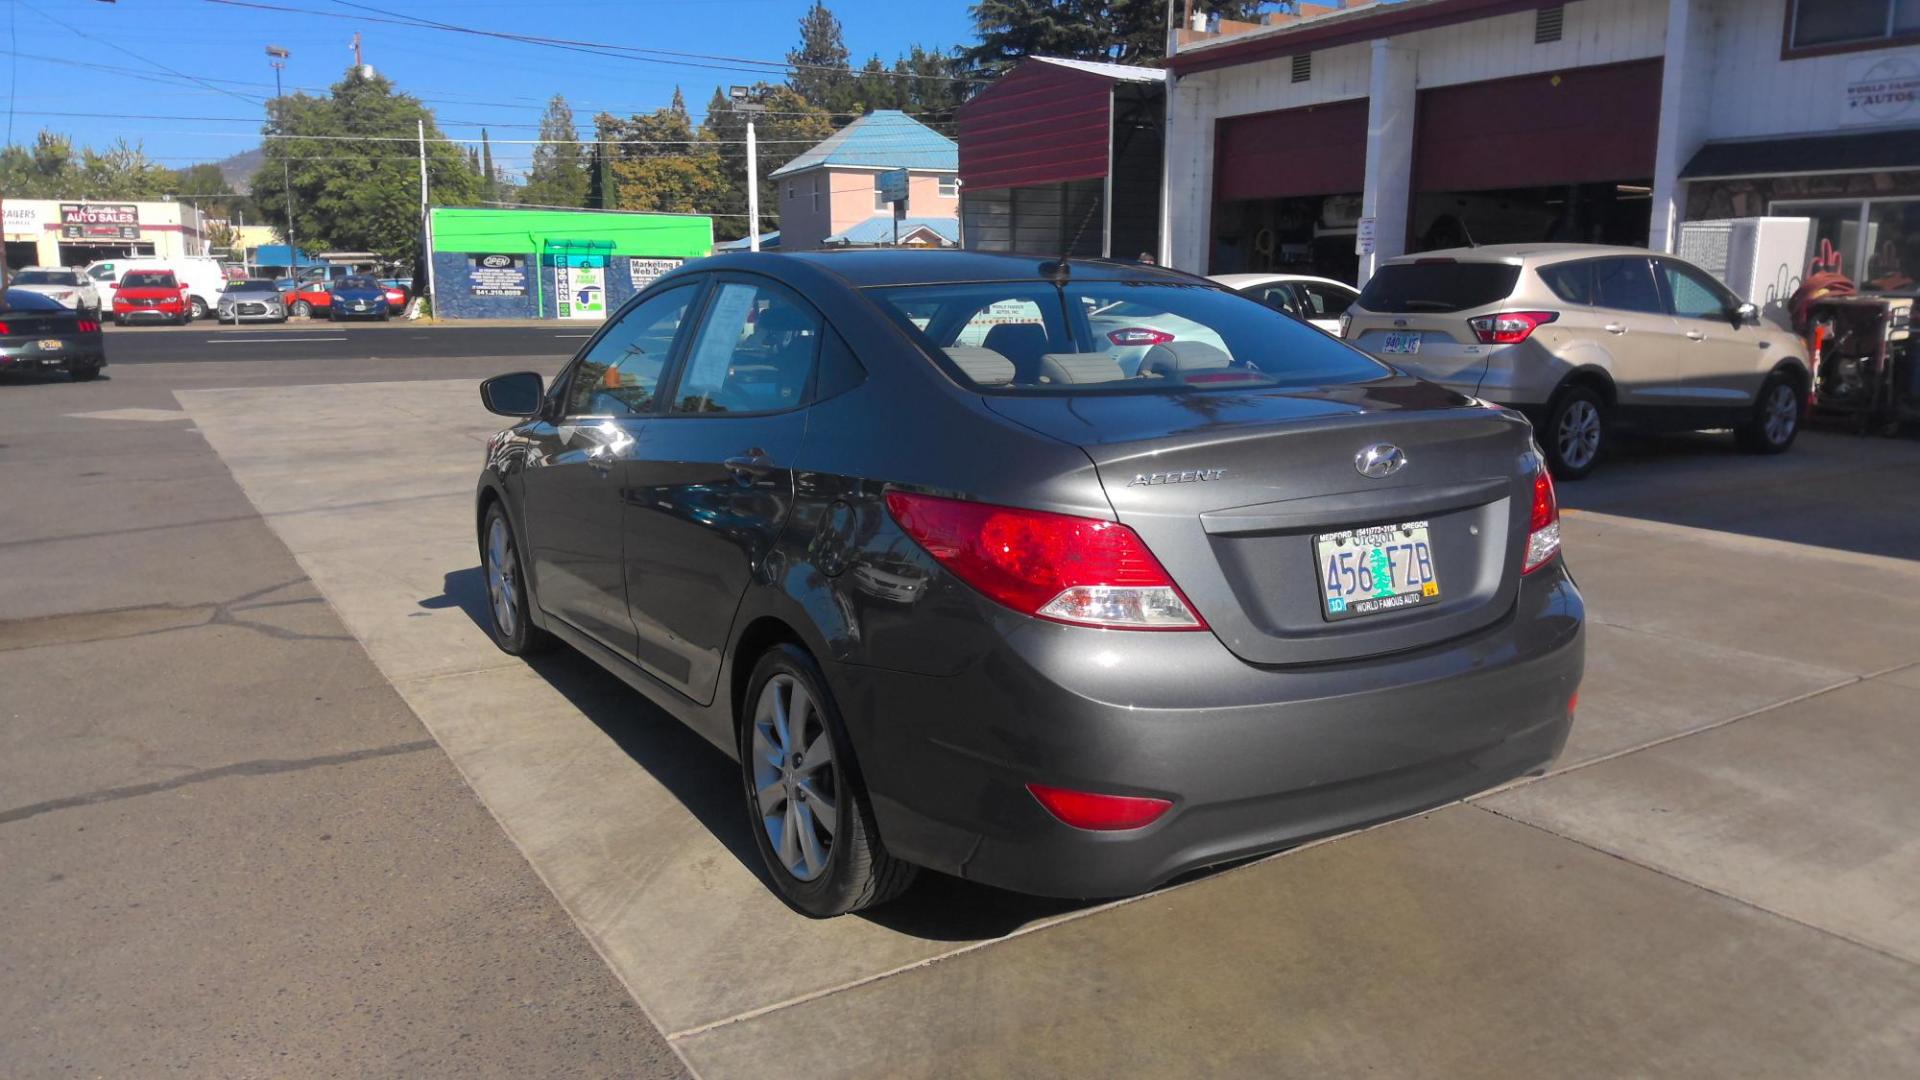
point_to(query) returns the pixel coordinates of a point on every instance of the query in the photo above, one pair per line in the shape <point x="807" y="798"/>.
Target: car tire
<point x="301" y="308"/>
<point x="821" y="870"/>
<point x="119" y="320"/>
<point x="509" y="603"/>
<point x="196" y="308"/>
<point x="1777" y="412"/>
<point x="1575" y="434"/>
<point x="85" y="374"/>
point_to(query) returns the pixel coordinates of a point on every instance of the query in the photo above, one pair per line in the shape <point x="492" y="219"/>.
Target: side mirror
<point x="517" y="394"/>
<point x="1745" y="315"/>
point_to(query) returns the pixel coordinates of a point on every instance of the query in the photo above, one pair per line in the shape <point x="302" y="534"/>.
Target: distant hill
<point x="238" y="170"/>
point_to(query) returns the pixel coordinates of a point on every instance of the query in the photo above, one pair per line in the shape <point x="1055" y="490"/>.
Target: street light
<point x="742" y="99"/>
<point x="278" y="56"/>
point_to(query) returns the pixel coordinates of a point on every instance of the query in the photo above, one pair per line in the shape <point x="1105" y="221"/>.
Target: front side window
<point x="1817" y="23"/>
<point x="620" y="374"/>
<point x="1117" y="336"/>
<point x="1278" y="297"/>
<point x="1324" y="301"/>
<point x="754" y="353"/>
<point x="1694" y="294"/>
<point x="1626" y="285"/>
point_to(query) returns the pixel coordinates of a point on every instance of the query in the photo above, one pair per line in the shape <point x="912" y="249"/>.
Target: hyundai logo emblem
<point x="1379" y="461"/>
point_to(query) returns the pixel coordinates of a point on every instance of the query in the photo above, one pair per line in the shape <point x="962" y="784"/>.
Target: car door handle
<point x="749" y="466"/>
<point x="1615" y="328"/>
<point x="1695" y="335"/>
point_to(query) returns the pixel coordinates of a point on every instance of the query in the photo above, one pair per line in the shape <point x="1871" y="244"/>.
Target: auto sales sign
<point x="100" y="221"/>
<point x="1882" y="91"/>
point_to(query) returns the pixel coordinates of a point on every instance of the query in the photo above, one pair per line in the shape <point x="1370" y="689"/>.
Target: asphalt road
<point x="301" y="339"/>
<point x="227" y="846"/>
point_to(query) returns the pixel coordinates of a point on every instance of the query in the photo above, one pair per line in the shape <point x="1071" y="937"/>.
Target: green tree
<point x="561" y="174"/>
<point x="354" y="168"/>
<point x="489" y="176"/>
<point x="1121" y="31"/>
<point x="53" y="170"/>
<point x="658" y="162"/>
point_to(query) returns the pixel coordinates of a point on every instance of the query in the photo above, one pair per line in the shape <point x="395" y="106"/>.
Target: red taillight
<point x="1573" y="702"/>
<point x="1543" y="524"/>
<point x="1509" y="327"/>
<point x="1107" y="813"/>
<point x="1138" y="335"/>
<point x="87" y="326"/>
<point x="1068" y="569"/>
<point x="4" y="330"/>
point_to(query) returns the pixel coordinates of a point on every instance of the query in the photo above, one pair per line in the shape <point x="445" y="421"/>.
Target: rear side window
<point x="1571" y="281"/>
<point x="755" y="353"/>
<point x="1406" y="288"/>
<point x="1626" y="284"/>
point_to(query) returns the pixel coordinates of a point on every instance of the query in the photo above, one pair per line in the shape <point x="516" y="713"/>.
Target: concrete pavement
<point x="1714" y="880"/>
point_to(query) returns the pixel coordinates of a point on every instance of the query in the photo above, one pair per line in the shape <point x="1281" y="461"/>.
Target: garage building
<point x="1326" y="143"/>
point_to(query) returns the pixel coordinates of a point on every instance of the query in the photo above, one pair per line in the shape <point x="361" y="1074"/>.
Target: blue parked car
<point x="357" y="297"/>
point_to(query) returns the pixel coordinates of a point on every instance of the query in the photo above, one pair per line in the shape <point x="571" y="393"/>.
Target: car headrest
<point x="1021" y="343"/>
<point x="1086" y="367"/>
<point x="781" y="319"/>
<point x="1178" y="356"/>
<point x="984" y="366"/>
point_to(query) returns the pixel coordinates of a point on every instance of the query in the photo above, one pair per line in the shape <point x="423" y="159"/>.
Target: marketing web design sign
<point x="99" y="221"/>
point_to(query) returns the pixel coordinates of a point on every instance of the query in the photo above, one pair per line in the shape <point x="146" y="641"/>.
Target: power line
<point x="150" y="63"/>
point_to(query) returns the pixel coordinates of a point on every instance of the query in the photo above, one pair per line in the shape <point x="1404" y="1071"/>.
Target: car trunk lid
<point x="1231" y="489"/>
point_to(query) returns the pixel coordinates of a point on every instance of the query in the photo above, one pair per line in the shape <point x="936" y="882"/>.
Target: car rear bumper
<point x="30" y="357"/>
<point x="1254" y="759"/>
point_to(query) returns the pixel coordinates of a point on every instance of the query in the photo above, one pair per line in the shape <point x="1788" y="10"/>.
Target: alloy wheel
<point x="1782" y="415"/>
<point x="795" y="784"/>
<point x="1578" y="436"/>
<point x="503" y="585"/>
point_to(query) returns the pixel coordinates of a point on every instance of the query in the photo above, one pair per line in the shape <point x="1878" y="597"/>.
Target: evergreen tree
<point x="821" y="75"/>
<point x="1121" y="31"/>
<point x="790" y="126"/>
<point x="660" y="163"/>
<point x="560" y="175"/>
<point x="489" y="178"/>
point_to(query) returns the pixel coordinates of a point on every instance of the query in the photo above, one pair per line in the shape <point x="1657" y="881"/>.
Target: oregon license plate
<point x="52" y="344"/>
<point x="1378" y="568"/>
<point x="1404" y="343"/>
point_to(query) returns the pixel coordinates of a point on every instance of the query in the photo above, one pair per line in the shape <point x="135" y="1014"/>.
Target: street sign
<point x="894" y="185"/>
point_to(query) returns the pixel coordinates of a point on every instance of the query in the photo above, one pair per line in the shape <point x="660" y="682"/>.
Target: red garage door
<point x="1585" y="125"/>
<point x="1318" y="150"/>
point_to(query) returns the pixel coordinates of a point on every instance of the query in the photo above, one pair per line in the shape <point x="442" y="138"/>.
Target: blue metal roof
<point x="878" y="229"/>
<point x="767" y="240"/>
<point x="882" y="139"/>
<point x="278" y="255"/>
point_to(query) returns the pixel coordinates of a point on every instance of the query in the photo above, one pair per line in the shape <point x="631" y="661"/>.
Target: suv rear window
<point x="1404" y="288"/>
<point x="1026" y="337"/>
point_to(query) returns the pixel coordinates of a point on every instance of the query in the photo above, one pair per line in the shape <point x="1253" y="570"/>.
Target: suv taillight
<point x="1069" y="569"/>
<point x="1543" y="524"/>
<point x="1509" y="327"/>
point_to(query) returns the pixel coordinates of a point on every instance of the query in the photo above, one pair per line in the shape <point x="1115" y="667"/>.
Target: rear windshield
<point x="1405" y="288"/>
<point x="1105" y="336"/>
<point x="357" y="283"/>
<point x="22" y="300"/>
<point x="149" y="279"/>
<point x="46" y="277"/>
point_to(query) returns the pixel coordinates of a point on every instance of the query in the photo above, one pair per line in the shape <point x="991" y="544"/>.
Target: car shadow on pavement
<point x="1833" y="489"/>
<point x="707" y="783"/>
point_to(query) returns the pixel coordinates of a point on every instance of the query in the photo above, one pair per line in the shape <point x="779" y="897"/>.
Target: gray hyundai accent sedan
<point x="959" y="590"/>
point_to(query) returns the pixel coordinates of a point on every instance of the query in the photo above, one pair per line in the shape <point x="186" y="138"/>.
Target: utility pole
<point x="426" y="217"/>
<point x="743" y="102"/>
<point x="277" y="56"/>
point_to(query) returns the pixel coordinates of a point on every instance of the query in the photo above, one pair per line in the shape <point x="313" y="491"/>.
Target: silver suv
<point x="1586" y="341"/>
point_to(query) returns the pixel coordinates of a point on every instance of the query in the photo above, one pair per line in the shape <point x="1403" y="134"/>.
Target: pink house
<point x="829" y="195"/>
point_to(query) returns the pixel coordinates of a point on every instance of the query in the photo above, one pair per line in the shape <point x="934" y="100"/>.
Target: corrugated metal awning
<point x="1042" y="123"/>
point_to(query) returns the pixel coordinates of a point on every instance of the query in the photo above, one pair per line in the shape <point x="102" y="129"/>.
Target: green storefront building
<point x="491" y="263"/>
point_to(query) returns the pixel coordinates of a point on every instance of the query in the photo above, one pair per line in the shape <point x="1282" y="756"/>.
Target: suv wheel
<point x="806" y="806"/>
<point x="300" y="309"/>
<point x="508" y="603"/>
<point x="1575" y="434"/>
<point x="197" y="309"/>
<point x="1776" y="418"/>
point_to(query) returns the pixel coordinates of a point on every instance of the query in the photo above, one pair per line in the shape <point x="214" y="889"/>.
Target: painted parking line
<point x="258" y="340"/>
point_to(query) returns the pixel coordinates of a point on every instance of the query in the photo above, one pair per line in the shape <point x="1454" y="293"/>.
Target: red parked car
<point x="151" y="294"/>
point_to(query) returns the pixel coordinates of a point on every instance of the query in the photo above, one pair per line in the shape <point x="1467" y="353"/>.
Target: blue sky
<point x="468" y="81"/>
